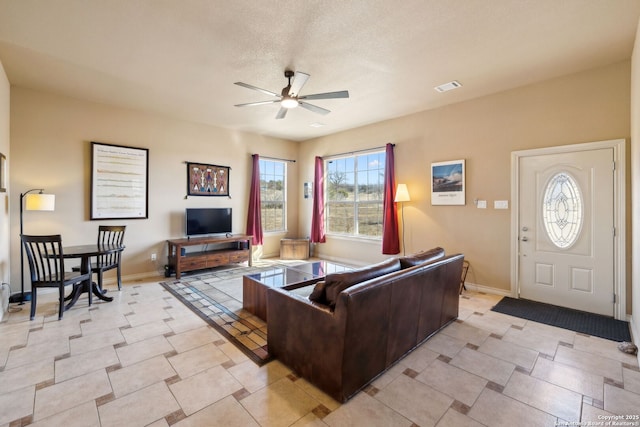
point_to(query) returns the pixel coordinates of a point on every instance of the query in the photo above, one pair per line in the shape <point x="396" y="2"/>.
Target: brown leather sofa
<point x="373" y="325"/>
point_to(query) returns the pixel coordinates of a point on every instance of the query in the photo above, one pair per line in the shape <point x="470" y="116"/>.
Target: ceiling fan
<point x="290" y="96"/>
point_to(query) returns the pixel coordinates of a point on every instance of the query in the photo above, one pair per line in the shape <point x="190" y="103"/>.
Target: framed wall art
<point x="447" y="183"/>
<point x="119" y="182"/>
<point x="308" y="190"/>
<point x="207" y="180"/>
<point x="3" y="173"/>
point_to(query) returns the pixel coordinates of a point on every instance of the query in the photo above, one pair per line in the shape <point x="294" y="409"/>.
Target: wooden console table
<point x="224" y="250"/>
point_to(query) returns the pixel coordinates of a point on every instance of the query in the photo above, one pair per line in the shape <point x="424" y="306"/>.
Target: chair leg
<point x="61" y="302"/>
<point x="90" y="290"/>
<point x="33" y="302"/>
<point x="119" y="277"/>
<point x="100" y="288"/>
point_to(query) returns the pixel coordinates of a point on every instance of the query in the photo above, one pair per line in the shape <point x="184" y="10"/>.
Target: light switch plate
<point x="501" y="204"/>
<point x="482" y="204"/>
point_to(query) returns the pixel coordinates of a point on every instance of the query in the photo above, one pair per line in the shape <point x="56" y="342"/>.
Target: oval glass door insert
<point x="562" y="210"/>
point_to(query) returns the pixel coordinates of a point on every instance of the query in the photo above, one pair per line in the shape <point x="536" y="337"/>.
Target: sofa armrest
<point x="307" y="337"/>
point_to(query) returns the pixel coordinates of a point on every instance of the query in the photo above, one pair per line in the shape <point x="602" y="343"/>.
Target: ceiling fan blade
<point x="314" y="108"/>
<point x="281" y="113"/>
<point x="251" y="104"/>
<point x="248" y="86"/>
<point x="327" y="95"/>
<point x="299" y="79"/>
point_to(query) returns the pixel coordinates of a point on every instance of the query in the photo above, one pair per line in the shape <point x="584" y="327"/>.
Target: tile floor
<point x="146" y="360"/>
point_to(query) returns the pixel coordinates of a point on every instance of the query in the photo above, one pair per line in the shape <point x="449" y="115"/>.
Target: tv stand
<point x="226" y="250"/>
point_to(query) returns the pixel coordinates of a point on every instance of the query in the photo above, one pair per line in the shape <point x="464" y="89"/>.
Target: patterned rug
<point x="216" y="296"/>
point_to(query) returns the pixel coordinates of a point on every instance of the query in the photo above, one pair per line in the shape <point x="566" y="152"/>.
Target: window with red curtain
<point x="354" y="185"/>
<point x="254" y="222"/>
<point x="317" y="214"/>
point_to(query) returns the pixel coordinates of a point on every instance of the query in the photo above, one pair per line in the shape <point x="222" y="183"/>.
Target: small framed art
<point x="447" y="183"/>
<point x="308" y="190"/>
<point x="3" y="173"/>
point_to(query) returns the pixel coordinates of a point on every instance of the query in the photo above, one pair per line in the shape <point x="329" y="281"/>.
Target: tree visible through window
<point x="354" y="193"/>
<point x="273" y="184"/>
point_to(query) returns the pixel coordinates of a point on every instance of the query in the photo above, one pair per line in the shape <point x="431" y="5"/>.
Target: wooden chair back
<point x="114" y="235"/>
<point x="46" y="263"/>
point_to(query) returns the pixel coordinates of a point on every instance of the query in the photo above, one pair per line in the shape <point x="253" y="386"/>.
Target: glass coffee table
<point x="254" y="286"/>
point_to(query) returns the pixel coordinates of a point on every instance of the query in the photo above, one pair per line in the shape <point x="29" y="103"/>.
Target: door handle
<point x="525" y="239"/>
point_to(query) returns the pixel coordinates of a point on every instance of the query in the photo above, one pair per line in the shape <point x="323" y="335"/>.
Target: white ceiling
<point x="180" y="58"/>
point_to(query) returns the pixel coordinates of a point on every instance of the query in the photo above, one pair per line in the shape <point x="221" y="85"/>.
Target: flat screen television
<point x="207" y="221"/>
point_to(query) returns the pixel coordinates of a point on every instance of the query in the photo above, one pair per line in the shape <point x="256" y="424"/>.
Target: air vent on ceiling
<point x="448" y="86"/>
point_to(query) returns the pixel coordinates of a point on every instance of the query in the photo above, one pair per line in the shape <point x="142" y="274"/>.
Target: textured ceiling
<point x="180" y="58"/>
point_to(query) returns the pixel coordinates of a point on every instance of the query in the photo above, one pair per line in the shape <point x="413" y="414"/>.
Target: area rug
<point x="216" y="296"/>
<point x="566" y="318"/>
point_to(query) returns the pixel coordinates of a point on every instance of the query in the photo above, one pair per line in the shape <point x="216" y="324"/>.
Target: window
<point x="354" y="194"/>
<point x="273" y="187"/>
<point x="562" y="210"/>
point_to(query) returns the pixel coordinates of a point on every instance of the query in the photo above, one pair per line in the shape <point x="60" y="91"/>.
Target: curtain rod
<point x="356" y="151"/>
<point x="275" y="158"/>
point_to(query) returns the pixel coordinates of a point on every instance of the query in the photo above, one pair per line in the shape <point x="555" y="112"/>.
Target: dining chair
<point x="46" y="264"/>
<point x="113" y="235"/>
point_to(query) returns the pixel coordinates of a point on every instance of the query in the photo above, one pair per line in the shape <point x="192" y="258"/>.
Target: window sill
<point x="371" y="240"/>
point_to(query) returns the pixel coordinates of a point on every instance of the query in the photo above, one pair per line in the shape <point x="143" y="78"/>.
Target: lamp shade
<point x="402" y="194"/>
<point x="40" y="202"/>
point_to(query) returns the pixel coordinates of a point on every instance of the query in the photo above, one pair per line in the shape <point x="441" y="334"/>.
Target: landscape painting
<point x="447" y="183"/>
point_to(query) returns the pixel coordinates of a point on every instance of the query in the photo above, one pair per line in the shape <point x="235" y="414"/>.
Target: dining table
<point x="85" y="253"/>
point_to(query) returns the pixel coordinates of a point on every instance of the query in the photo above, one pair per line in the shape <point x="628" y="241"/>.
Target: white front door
<point x="566" y="218"/>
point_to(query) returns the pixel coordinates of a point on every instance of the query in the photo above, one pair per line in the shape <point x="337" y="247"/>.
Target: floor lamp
<point x="34" y="202"/>
<point x="402" y="195"/>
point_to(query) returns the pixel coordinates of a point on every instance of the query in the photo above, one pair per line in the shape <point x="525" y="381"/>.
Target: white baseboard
<point x="487" y="289"/>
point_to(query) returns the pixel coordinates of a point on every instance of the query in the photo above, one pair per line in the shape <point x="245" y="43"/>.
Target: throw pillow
<point x="337" y="282"/>
<point x="318" y="294"/>
<point x="422" y="257"/>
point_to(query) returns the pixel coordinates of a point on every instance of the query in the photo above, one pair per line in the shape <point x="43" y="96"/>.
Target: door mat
<point x="566" y="318"/>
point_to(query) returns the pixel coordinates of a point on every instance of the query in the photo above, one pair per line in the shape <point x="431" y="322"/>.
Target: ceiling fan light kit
<point x="290" y="95"/>
<point x="288" y="102"/>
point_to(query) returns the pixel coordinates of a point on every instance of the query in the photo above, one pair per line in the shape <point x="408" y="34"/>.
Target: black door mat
<point x="566" y="318"/>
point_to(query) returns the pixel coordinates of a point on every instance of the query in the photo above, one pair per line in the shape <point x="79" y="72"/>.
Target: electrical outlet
<point x="153" y="257"/>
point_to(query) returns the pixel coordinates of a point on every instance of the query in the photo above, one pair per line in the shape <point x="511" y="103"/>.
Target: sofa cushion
<point x="318" y="294"/>
<point x="337" y="282"/>
<point x="422" y="257"/>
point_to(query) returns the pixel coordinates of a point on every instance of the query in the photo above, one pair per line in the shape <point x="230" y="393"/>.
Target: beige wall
<point x="635" y="178"/>
<point x="4" y="197"/>
<point x="50" y="137"/>
<point x="51" y="134"/>
<point x="584" y="107"/>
